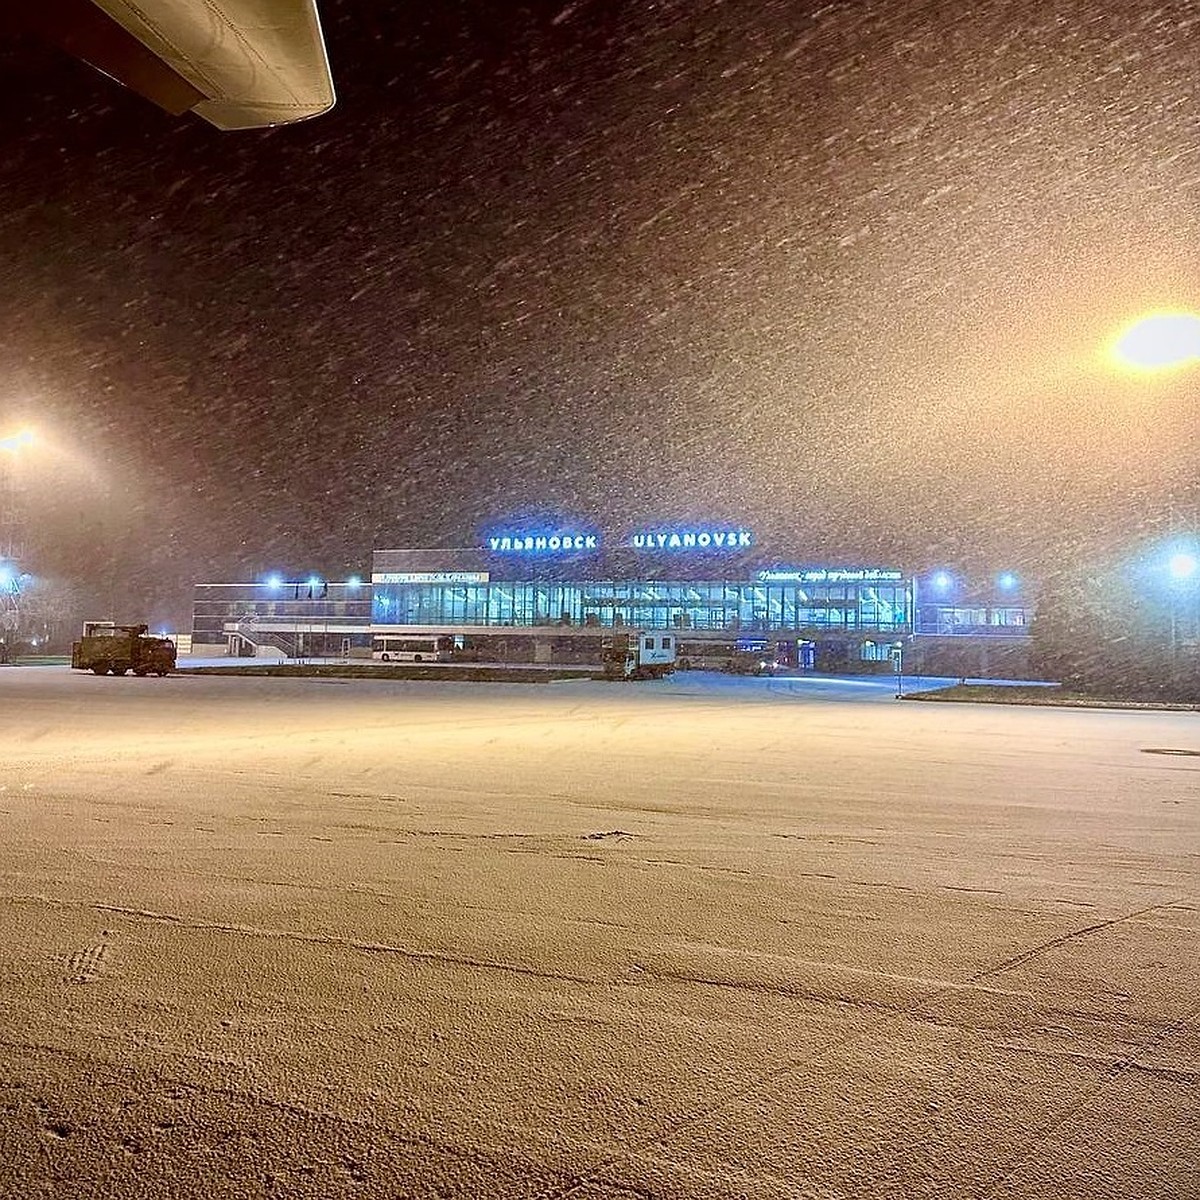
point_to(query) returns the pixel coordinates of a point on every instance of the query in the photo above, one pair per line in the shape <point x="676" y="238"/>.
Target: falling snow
<point x="851" y="264"/>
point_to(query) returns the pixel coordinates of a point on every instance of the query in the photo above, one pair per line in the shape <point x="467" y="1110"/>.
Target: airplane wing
<point x="239" y="64"/>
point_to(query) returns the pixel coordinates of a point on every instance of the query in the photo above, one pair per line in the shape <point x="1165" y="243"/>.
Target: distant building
<point x="282" y="619"/>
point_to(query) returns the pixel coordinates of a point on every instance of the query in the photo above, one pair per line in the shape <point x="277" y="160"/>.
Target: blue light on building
<point x="1182" y="565"/>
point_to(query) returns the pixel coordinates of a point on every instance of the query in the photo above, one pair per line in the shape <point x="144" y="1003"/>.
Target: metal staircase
<point x="247" y="629"/>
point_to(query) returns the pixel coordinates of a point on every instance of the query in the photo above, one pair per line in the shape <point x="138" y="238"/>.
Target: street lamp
<point x="17" y="441"/>
<point x="1158" y="341"/>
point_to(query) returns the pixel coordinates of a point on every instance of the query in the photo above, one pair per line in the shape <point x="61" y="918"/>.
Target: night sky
<point x="843" y="273"/>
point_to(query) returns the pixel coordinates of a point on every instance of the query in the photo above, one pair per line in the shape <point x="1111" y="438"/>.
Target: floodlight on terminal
<point x="275" y="582"/>
<point x="354" y="582"/>
<point x="1007" y="581"/>
<point x="942" y="581"/>
<point x="1183" y="565"/>
<point x="314" y="581"/>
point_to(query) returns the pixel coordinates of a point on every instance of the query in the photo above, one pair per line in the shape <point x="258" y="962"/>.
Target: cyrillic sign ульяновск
<point x="534" y="543"/>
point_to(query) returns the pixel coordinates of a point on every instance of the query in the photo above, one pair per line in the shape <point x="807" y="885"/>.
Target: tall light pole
<point x="1183" y="572"/>
<point x="12" y="529"/>
<point x="1158" y="344"/>
<point x="1161" y="343"/>
<point x="12" y="514"/>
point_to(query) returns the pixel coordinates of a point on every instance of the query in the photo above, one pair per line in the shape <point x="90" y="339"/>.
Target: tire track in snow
<point x="1062" y="939"/>
<point x="316" y="939"/>
<point x="186" y="1087"/>
<point x="999" y="1183"/>
<point x="760" y="1081"/>
<point x="1174" y="1074"/>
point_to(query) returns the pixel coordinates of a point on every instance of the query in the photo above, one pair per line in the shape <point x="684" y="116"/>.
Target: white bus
<point x="398" y="647"/>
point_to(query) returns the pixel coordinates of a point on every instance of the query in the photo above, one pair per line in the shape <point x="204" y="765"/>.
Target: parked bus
<point x="388" y="647"/>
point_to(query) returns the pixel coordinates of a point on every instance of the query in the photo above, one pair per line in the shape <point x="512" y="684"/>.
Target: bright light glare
<point x="1183" y="565"/>
<point x="17" y="441"/>
<point x="941" y="581"/>
<point x="274" y="582"/>
<point x="1158" y="342"/>
<point x="354" y="582"/>
<point x="1007" y="581"/>
<point x="8" y="576"/>
<point x="313" y="581"/>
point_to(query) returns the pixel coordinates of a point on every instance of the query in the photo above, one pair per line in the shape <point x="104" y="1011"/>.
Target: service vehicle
<point x="638" y="654"/>
<point x="110" y="649"/>
<point x="754" y="656"/>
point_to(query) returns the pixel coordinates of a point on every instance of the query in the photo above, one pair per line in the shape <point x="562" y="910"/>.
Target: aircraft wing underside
<point x="239" y="64"/>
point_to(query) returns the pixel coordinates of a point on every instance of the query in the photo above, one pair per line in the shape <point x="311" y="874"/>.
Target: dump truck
<point x="636" y="654"/>
<point x="110" y="649"/>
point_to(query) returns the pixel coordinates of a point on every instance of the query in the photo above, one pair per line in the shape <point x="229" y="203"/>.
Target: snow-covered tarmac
<point x="696" y="938"/>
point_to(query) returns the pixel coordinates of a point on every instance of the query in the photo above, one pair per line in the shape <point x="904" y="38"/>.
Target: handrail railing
<point x="247" y="629"/>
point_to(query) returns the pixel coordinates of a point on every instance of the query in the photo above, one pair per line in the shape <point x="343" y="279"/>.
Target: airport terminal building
<point x="553" y="593"/>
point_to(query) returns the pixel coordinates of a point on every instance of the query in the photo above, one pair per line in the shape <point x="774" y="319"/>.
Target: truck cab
<point x="639" y="654"/>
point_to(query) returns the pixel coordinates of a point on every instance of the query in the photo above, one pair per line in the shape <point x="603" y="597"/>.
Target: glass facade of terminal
<point x="713" y="605"/>
<point x="973" y="620"/>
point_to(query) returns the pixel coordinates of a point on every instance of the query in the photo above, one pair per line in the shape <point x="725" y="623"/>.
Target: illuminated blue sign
<point x="430" y="577"/>
<point x="692" y="539"/>
<point x="543" y="543"/>
<point x="833" y="575"/>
